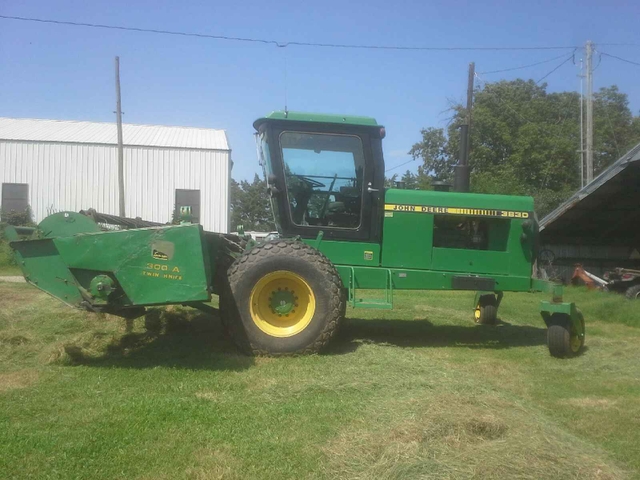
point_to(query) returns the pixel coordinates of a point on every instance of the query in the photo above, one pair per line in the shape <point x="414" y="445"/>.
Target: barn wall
<point x="70" y="176"/>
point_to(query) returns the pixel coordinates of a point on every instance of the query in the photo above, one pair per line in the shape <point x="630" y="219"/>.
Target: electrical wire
<point x="273" y="42"/>
<point x="619" y="44"/>
<point x="523" y="66"/>
<point x="571" y="57"/>
<point x="620" y="58"/>
<point x="599" y="62"/>
<point x="398" y="166"/>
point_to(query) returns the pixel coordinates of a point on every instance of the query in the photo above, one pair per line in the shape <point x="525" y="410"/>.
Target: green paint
<point x="159" y="265"/>
<point x="318" y="118"/>
<point x="568" y="310"/>
<point x="374" y="278"/>
<point x="350" y="253"/>
<point x="408" y="240"/>
<point x="470" y="261"/>
<point x="65" y="224"/>
<point x="101" y="286"/>
<point x="282" y="301"/>
<point x="456" y="199"/>
<point x="43" y="267"/>
<point x="117" y="269"/>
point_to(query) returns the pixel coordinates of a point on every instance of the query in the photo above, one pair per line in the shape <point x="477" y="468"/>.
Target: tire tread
<point x="282" y="247"/>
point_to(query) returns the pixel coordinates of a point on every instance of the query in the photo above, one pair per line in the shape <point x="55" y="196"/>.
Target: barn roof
<point x="66" y="131"/>
<point x="606" y="211"/>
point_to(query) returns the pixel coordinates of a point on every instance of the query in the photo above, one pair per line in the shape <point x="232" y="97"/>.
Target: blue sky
<point x="60" y="72"/>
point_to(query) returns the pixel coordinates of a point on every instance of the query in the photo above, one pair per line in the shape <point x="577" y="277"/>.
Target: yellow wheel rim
<point x="575" y="339"/>
<point x="282" y="304"/>
<point x="575" y="343"/>
<point x="476" y="314"/>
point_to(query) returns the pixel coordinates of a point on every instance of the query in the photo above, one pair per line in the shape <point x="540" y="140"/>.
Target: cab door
<point x="326" y="180"/>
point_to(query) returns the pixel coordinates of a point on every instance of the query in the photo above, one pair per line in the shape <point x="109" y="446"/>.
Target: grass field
<point x="9" y="270"/>
<point x="418" y="392"/>
<point x="7" y="266"/>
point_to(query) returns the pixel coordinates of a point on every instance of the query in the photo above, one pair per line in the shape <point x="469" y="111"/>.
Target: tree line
<point x="524" y="141"/>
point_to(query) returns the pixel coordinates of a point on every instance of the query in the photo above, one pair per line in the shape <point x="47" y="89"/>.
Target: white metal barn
<point x="55" y="165"/>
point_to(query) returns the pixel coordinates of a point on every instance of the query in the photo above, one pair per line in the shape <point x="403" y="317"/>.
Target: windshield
<point x="264" y="158"/>
<point x="324" y="175"/>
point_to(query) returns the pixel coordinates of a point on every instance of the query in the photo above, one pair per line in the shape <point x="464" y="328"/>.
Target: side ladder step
<point x="381" y="304"/>
<point x="372" y="303"/>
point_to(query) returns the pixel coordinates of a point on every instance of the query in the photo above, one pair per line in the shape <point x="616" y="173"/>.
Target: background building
<point x="54" y="165"/>
<point x="599" y="226"/>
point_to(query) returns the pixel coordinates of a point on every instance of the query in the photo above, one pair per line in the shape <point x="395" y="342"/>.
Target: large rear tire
<point x="282" y="298"/>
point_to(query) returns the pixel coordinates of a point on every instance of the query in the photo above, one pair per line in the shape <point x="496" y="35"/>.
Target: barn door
<point x="15" y="197"/>
<point x="188" y="198"/>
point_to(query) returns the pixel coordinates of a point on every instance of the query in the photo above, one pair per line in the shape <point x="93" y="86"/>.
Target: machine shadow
<point x="182" y="339"/>
<point x="422" y="333"/>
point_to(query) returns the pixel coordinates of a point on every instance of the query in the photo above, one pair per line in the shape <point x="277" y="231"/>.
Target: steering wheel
<point x="309" y="181"/>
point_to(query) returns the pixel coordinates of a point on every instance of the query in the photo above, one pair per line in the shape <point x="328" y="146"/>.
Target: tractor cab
<point x="325" y="173"/>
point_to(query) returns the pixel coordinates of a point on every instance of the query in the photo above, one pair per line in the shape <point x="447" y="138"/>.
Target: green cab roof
<point x="281" y="115"/>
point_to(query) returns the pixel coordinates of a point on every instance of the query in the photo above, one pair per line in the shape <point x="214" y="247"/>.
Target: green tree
<point x="250" y="206"/>
<point x="434" y="152"/>
<point x="525" y="141"/>
<point x="616" y="130"/>
<point x="412" y="181"/>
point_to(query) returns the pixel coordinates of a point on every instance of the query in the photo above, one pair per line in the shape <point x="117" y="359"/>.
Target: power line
<point x="523" y="66"/>
<point x="570" y="57"/>
<point x="620" y="58"/>
<point x="274" y="42"/>
<point x="599" y="61"/>
<point x="398" y="166"/>
<point x="619" y="44"/>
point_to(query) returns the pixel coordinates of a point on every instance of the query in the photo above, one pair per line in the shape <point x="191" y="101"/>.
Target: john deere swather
<point x="340" y="230"/>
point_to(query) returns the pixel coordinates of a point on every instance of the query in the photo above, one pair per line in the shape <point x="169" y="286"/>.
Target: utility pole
<point x="462" y="170"/>
<point x="120" y="149"/>
<point x="589" y="139"/>
<point x="472" y="75"/>
<point x="581" y="150"/>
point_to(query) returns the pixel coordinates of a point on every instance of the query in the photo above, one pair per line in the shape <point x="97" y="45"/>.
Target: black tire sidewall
<point x="317" y="281"/>
<point x="633" y="292"/>
<point x="488" y="309"/>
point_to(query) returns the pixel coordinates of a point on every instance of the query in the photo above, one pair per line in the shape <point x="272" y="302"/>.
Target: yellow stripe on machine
<point x="471" y="212"/>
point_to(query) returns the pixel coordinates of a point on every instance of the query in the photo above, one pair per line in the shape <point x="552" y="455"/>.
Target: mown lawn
<point x="9" y="270"/>
<point x="417" y="392"/>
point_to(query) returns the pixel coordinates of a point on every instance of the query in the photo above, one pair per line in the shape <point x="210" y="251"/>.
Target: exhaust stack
<point x="462" y="172"/>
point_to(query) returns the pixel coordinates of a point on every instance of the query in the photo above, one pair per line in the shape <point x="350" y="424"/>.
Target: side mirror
<point x="527" y="230"/>
<point x="271" y="185"/>
<point x="273" y="191"/>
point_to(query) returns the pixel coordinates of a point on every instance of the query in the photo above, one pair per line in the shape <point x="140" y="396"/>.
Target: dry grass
<point x="593" y="403"/>
<point x="18" y="379"/>
<point x="214" y="464"/>
<point x="418" y="392"/>
<point x="453" y="436"/>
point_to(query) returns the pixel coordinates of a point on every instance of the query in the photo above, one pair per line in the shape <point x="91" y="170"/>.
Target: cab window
<point x="324" y="176"/>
